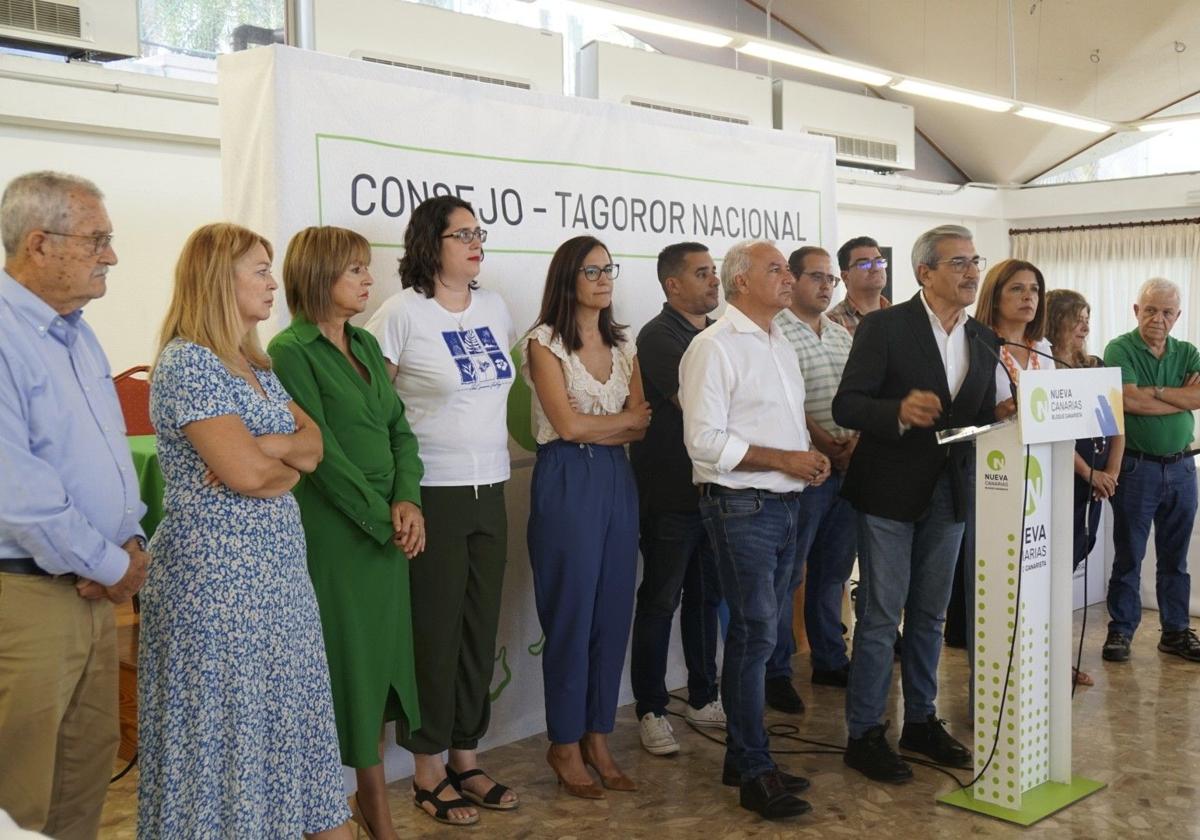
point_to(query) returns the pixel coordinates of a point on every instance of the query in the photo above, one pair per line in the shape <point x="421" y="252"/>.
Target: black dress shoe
<point x="767" y="797"/>
<point x="931" y="738"/>
<point x="792" y="784"/>
<point x="838" y="678"/>
<point x="874" y="757"/>
<point x="782" y="696"/>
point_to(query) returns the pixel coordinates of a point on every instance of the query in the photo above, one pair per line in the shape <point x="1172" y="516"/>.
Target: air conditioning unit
<point x="434" y="40"/>
<point x="870" y="133"/>
<point x="664" y="83"/>
<point x="99" y="30"/>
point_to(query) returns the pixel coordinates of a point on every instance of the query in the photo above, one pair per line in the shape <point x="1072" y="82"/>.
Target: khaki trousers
<point x="58" y="705"/>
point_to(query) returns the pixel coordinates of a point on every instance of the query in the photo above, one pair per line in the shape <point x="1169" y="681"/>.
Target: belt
<point x="21" y="566"/>
<point x="1157" y="459"/>
<point x="751" y="492"/>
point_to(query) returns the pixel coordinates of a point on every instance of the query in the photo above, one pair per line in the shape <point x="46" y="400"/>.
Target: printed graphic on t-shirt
<point x="480" y="359"/>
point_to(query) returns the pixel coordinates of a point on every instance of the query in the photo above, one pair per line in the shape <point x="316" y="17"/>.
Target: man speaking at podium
<point x="915" y="368"/>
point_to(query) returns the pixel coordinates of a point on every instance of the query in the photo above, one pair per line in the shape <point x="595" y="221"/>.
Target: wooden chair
<point x="133" y="392"/>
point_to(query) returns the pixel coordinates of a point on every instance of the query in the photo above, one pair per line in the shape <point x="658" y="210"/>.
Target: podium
<point x="1024" y="497"/>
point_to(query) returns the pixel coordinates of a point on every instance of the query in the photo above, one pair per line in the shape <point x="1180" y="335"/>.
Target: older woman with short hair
<point x="361" y="505"/>
<point x="236" y="723"/>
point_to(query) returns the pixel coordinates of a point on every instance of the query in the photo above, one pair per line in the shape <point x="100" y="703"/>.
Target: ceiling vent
<point x="95" y="29"/>
<point x="689" y="112"/>
<point x="870" y="133"/>
<point x="444" y="71"/>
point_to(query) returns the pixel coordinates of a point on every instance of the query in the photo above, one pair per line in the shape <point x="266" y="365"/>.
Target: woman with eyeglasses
<point x="445" y="343"/>
<point x="1012" y="301"/>
<point x="1097" y="460"/>
<point x="583" y="515"/>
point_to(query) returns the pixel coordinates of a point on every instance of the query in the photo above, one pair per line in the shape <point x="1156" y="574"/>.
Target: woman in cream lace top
<point x="583" y="519"/>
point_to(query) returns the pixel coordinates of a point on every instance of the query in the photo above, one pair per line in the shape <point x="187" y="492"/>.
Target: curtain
<point x="1108" y="266"/>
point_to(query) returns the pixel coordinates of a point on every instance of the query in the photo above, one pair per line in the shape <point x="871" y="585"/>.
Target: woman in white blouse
<point x="583" y="519"/>
<point x="1012" y="301"/>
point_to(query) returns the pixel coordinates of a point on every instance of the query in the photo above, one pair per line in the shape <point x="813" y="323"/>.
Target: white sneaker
<point x="658" y="737"/>
<point x="712" y="714"/>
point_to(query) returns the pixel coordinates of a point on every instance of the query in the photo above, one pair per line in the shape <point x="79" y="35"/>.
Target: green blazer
<point x="360" y="577"/>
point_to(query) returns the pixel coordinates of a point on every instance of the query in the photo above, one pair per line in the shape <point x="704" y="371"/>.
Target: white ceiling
<point x="966" y="43"/>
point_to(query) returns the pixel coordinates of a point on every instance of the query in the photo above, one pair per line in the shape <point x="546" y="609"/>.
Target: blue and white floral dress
<point x="237" y="736"/>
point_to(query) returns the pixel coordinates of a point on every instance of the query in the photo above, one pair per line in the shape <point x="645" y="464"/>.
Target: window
<point x="205" y="29"/>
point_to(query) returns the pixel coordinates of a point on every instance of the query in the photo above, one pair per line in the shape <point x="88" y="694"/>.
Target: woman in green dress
<point x="360" y="507"/>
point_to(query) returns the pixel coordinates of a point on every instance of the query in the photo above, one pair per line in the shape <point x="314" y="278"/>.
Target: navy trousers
<point x="583" y="541"/>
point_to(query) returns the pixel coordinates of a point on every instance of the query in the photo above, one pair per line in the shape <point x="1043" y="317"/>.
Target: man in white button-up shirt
<point x="742" y="396"/>
<point x="914" y="368"/>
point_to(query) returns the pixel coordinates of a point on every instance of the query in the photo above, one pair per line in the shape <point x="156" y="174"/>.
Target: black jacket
<point x="894" y="352"/>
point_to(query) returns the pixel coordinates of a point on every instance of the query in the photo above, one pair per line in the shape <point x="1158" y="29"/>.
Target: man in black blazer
<point x="915" y="368"/>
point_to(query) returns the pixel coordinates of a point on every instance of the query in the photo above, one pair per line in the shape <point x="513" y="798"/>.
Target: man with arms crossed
<point x="70" y="543"/>
<point x="825" y="543"/>
<point x="864" y="271"/>
<point x="676" y="556"/>
<point x="914" y="368"/>
<point x="743" y="423"/>
<point x="1161" y="377"/>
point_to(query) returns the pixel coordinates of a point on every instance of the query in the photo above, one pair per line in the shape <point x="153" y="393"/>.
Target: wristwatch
<point x="141" y="541"/>
<point x="1158" y="392"/>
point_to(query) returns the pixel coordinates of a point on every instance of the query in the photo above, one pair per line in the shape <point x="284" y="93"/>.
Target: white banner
<point x="312" y="139"/>
<point x="1066" y="404"/>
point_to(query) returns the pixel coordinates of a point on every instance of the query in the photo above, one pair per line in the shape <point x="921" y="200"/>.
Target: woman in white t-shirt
<point x="583" y="512"/>
<point x="446" y="344"/>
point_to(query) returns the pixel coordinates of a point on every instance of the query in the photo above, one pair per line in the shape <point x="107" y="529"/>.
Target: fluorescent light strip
<point x="1166" y="123"/>
<point x="1068" y="120"/>
<point x="655" y="25"/>
<point x="816" y="63"/>
<point x="956" y="95"/>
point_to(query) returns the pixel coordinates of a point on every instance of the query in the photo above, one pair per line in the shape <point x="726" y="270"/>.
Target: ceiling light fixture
<point x="1166" y="123"/>
<point x="1067" y="120"/>
<point x="656" y="25"/>
<point x="816" y="63"/>
<point x="950" y="94"/>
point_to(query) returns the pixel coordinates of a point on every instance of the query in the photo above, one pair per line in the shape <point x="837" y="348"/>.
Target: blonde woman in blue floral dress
<point x="237" y="736"/>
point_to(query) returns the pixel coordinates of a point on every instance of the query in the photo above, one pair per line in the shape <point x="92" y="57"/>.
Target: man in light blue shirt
<point x="70" y="542"/>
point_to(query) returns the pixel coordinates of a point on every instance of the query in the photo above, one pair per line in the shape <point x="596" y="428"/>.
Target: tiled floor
<point x="1136" y="730"/>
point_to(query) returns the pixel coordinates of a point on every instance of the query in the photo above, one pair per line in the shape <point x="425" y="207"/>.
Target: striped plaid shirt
<point x="822" y="360"/>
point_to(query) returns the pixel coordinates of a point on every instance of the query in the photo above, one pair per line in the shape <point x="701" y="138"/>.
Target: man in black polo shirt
<point x="676" y="555"/>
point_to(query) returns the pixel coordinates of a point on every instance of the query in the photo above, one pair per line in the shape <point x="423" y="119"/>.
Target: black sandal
<point x="493" y="799"/>
<point x="441" y="808"/>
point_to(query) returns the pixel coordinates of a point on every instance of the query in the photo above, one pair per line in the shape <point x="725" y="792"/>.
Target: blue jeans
<point x="1165" y="495"/>
<point x="904" y="567"/>
<point x="676" y="560"/>
<point x="754" y="539"/>
<point x="825" y="546"/>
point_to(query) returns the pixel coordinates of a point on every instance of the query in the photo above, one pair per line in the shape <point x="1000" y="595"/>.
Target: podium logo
<point x="995" y="477"/>
<point x="995" y="460"/>
<point x="1039" y="404"/>
<point x="1036" y="484"/>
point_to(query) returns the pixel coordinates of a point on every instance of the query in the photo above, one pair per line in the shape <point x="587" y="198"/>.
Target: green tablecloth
<point x="150" y="480"/>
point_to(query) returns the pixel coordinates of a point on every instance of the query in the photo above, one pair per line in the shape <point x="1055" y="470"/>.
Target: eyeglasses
<point x="959" y="265"/>
<point x="465" y="235"/>
<point x="821" y="278"/>
<point x="100" y="241"/>
<point x="593" y="272"/>
<point x="867" y="265"/>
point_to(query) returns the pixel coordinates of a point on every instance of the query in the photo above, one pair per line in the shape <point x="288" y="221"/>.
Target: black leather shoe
<point x="931" y="738"/>
<point x="767" y="797"/>
<point x="1116" y="647"/>
<point x="838" y="678"/>
<point x="782" y="696"/>
<point x="792" y="784"/>
<point x="874" y="757"/>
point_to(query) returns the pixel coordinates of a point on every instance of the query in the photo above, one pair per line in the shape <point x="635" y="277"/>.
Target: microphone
<point x="1052" y="358"/>
<point x="987" y="345"/>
